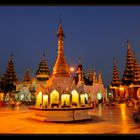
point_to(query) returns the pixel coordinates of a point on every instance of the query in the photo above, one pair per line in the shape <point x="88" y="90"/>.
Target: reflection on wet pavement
<point x="106" y="120"/>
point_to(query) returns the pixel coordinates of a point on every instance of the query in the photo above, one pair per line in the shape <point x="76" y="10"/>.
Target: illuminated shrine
<point x="60" y="99"/>
<point x="60" y="90"/>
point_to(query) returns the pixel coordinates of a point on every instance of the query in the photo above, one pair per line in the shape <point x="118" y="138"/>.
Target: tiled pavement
<point x="106" y="120"/>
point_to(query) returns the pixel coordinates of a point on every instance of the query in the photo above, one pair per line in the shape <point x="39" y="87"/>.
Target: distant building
<point x="60" y="87"/>
<point x="91" y="84"/>
<point x="129" y="86"/>
<point x="26" y="89"/>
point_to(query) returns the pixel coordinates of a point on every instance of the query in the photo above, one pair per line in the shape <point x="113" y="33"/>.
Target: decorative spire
<point x="128" y="73"/>
<point x="90" y="75"/>
<point x="79" y="61"/>
<point x="61" y="67"/>
<point x="129" y="44"/>
<point x="94" y="76"/>
<point x="115" y="78"/>
<point x="100" y="81"/>
<point x="27" y="74"/>
<point x="44" y="57"/>
<point x="60" y="32"/>
<point x="43" y="72"/>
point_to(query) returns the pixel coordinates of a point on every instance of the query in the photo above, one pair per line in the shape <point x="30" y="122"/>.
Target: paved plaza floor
<point x="106" y="120"/>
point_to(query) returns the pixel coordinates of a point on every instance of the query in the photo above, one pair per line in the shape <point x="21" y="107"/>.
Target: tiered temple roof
<point x="128" y="73"/>
<point x="10" y="76"/>
<point x="115" y="78"/>
<point x="43" y="72"/>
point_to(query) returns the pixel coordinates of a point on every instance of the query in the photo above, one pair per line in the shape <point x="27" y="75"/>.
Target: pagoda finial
<point x="60" y="19"/>
<point x="27" y="67"/>
<point x="134" y="56"/>
<point x="11" y="55"/>
<point x="94" y="76"/>
<point x="100" y="81"/>
<point x="61" y="67"/>
<point x="128" y="44"/>
<point x="79" y="61"/>
<point x="60" y="32"/>
<point x="114" y="60"/>
<point x="27" y="74"/>
<point x="43" y="56"/>
<point x="44" y="53"/>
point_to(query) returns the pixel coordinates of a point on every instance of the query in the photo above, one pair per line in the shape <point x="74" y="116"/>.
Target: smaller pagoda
<point x="135" y="84"/>
<point x="43" y="73"/>
<point x="80" y="77"/>
<point x="9" y="78"/>
<point x="128" y="72"/>
<point x="116" y="82"/>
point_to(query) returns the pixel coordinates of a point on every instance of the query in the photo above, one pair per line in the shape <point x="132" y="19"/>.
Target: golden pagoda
<point x="61" y="67"/>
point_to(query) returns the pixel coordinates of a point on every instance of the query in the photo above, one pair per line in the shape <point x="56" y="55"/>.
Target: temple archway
<point x="82" y="99"/>
<point x="65" y="100"/>
<point x="75" y="97"/>
<point x="54" y="97"/>
<point x="45" y="100"/>
<point x="38" y="99"/>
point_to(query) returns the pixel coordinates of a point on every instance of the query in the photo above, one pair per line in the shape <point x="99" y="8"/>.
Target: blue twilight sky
<point x="94" y="33"/>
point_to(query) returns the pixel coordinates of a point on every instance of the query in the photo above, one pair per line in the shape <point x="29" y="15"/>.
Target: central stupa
<point x="61" y="92"/>
<point x="61" y="67"/>
<point x="60" y="77"/>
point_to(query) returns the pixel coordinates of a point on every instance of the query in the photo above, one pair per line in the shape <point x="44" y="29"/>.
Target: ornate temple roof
<point x="43" y="72"/>
<point x="115" y="78"/>
<point x="128" y="72"/>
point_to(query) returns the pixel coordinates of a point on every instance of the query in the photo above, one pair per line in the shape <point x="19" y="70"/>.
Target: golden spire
<point x="27" y="74"/>
<point x="61" y="67"/>
<point x="94" y="76"/>
<point x="100" y="81"/>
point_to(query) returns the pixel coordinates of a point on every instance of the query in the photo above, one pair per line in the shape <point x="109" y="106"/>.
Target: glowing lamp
<point x="121" y="88"/>
<point x="71" y="69"/>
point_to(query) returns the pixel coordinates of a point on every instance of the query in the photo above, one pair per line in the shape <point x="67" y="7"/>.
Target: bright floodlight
<point x="71" y="69"/>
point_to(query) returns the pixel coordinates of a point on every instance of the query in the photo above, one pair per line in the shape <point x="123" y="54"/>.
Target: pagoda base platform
<point x="61" y="114"/>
